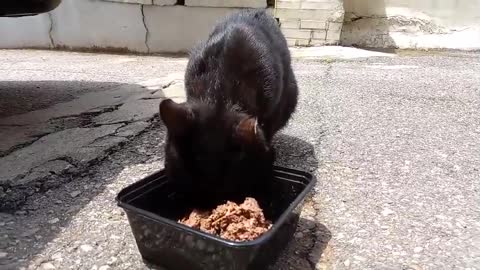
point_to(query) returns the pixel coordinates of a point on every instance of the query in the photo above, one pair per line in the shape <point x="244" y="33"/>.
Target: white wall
<point x="453" y="24"/>
<point x="31" y="32"/>
<point x="178" y="28"/>
<point x="89" y="24"/>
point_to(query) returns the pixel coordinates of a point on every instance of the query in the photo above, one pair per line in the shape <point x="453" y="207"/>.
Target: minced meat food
<point x="231" y="221"/>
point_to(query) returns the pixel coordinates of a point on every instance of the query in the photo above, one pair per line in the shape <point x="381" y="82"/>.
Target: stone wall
<point x="310" y="22"/>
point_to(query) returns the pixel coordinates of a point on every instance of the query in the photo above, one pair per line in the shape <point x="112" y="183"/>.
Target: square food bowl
<point x="152" y="209"/>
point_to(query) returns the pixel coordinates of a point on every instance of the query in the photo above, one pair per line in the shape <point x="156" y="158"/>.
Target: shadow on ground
<point x="311" y="237"/>
<point x="30" y="110"/>
<point x="46" y="215"/>
<point x="18" y="97"/>
<point x="51" y="130"/>
<point x="38" y="202"/>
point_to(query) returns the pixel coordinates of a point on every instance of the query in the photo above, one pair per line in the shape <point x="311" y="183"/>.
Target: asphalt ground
<point x="393" y="141"/>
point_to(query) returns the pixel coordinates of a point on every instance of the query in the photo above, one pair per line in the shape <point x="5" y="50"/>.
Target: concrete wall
<point x="451" y="24"/>
<point x="25" y="32"/>
<point x="86" y="24"/>
<point x="178" y="28"/>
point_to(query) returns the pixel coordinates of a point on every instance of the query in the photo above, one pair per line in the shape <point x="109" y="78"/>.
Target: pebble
<point x="417" y="249"/>
<point x="387" y="212"/>
<point x="104" y="267"/>
<point x="299" y="235"/>
<point x="414" y="267"/>
<point x="346" y="263"/>
<point x="112" y="260"/>
<point x="359" y="258"/>
<point x="57" y="256"/>
<point x="75" y="193"/>
<point x="38" y="261"/>
<point x="74" y="208"/>
<point x="47" y="266"/>
<point x="53" y="221"/>
<point x="58" y="202"/>
<point x="30" y="232"/>
<point x="71" y="249"/>
<point x="115" y="237"/>
<point x="32" y="207"/>
<point x="86" y="248"/>
<point x="3" y="255"/>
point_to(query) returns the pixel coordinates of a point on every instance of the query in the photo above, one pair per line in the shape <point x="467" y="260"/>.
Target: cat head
<point x="213" y="150"/>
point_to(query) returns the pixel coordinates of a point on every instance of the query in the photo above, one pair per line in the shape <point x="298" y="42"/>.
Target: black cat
<point x="240" y="91"/>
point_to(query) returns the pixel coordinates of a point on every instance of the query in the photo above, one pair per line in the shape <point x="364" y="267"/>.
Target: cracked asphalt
<point x="393" y="141"/>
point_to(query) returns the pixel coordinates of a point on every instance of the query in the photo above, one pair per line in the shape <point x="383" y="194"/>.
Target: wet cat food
<point x="231" y="221"/>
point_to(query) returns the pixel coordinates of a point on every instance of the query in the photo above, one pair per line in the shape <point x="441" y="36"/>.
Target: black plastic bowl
<point x="153" y="210"/>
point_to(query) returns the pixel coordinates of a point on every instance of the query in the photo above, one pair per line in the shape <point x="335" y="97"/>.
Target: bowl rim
<point x="234" y="244"/>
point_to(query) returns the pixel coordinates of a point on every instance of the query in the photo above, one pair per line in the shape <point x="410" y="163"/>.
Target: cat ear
<point x="176" y="117"/>
<point x="248" y="131"/>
